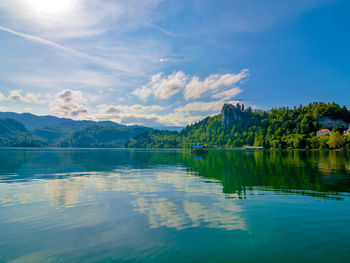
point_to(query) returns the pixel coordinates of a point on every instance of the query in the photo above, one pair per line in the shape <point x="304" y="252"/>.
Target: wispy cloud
<point x="165" y="31"/>
<point x="16" y="96"/>
<point x="48" y="79"/>
<point x="2" y="97"/>
<point x="95" y="17"/>
<point x="212" y="84"/>
<point x="204" y="107"/>
<point x="94" y="59"/>
<point x="110" y="110"/>
<point x="201" y="106"/>
<point x="227" y="94"/>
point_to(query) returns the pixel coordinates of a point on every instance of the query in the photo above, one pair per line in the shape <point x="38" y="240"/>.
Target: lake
<point x="120" y="205"/>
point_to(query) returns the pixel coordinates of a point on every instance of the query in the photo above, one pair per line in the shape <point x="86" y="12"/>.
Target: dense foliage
<point x="281" y="128"/>
<point x="102" y="136"/>
<point x="13" y="133"/>
<point x="28" y="130"/>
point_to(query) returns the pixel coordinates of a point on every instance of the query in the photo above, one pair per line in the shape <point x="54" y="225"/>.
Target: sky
<point x="170" y="63"/>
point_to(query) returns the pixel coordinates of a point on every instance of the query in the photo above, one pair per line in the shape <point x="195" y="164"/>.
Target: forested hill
<point x="28" y="130"/>
<point x="13" y="133"/>
<point x="33" y="122"/>
<point x="279" y="128"/>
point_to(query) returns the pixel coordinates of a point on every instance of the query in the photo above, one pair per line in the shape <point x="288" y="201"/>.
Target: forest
<point x="278" y="128"/>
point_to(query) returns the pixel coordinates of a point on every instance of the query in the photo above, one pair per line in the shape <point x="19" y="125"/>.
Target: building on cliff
<point x="323" y="131"/>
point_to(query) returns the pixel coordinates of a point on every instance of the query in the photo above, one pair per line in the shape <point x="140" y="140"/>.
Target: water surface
<point x="104" y="205"/>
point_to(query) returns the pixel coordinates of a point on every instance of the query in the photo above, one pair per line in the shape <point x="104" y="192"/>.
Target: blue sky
<point x="160" y="63"/>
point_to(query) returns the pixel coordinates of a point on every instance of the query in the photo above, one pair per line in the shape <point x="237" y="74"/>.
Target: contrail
<point x="58" y="46"/>
<point x="165" y="31"/>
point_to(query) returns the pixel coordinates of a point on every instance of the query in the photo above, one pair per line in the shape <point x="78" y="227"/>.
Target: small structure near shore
<point x="198" y="149"/>
<point x="323" y="131"/>
<point x="253" y="147"/>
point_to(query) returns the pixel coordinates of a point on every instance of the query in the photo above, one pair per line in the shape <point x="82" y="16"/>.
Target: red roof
<point x="324" y="130"/>
<point x="346" y="132"/>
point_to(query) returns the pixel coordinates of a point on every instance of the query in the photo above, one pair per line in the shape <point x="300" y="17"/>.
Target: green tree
<point x="299" y="142"/>
<point x="323" y="141"/>
<point x="314" y="142"/>
<point x="336" y="140"/>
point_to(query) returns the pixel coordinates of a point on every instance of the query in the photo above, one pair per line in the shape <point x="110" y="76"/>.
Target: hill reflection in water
<point x="322" y="172"/>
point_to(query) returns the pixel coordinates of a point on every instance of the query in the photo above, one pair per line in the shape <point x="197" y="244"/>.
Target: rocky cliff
<point x="231" y="114"/>
<point x="329" y="122"/>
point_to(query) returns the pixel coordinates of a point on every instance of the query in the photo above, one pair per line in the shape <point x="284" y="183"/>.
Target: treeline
<point x="76" y="134"/>
<point x="102" y="136"/>
<point x="282" y="128"/>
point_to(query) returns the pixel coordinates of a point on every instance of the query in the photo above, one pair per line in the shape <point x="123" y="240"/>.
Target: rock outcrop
<point x="231" y="114"/>
<point x="329" y="123"/>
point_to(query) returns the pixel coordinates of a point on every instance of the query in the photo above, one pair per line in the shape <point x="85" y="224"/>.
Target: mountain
<point x="237" y="126"/>
<point x="51" y="129"/>
<point x="102" y="136"/>
<point x="53" y="133"/>
<point x="33" y="122"/>
<point x="27" y="129"/>
<point x="13" y="133"/>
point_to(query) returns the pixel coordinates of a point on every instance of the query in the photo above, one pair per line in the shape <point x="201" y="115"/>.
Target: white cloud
<point x="162" y="87"/>
<point x="130" y="114"/>
<point x="2" y="97"/>
<point x="196" y="88"/>
<point x="31" y="98"/>
<point x="151" y="115"/>
<point x="16" y="96"/>
<point x="110" y="110"/>
<point x="143" y="93"/>
<point x="153" y="120"/>
<point x="201" y="106"/>
<point x="70" y="104"/>
<point x="227" y="94"/>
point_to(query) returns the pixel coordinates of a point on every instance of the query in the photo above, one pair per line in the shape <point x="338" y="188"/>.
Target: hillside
<point x="102" y="136"/>
<point x="31" y="130"/>
<point x="13" y="133"/>
<point x="279" y="128"/>
<point x="33" y="122"/>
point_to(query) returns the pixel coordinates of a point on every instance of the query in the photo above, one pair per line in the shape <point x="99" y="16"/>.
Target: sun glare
<point x="51" y="6"/>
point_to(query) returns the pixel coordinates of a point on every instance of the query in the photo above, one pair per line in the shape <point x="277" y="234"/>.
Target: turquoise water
<point x="95" y="205"/>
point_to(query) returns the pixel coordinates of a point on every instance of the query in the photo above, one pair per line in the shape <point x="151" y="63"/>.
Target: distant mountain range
<point x="31" y="121"/>
<point x="27" y="129"/>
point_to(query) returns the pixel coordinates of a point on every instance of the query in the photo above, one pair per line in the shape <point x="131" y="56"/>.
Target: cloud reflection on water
<point x="175" y="199"/>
